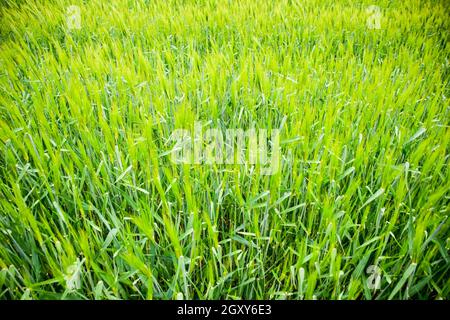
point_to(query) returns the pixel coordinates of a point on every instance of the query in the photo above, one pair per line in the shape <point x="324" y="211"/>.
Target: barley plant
<point x="92" y="206"/>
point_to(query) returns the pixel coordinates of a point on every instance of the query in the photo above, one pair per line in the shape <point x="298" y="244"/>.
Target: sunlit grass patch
<point x="93" y="207"/>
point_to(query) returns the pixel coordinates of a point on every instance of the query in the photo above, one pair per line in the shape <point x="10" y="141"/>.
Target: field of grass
<point x="93" y="207"/>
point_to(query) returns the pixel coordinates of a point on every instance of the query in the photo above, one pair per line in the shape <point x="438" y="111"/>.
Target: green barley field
<point x="93" y="205"/>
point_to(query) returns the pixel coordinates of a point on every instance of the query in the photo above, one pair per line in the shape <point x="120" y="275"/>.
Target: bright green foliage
<point x="91" y="206"/>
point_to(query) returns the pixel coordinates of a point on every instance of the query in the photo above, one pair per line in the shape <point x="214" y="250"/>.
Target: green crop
<point x="93" y="207"/>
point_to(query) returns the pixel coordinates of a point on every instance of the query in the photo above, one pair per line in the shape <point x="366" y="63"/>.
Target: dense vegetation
<point x="91" y="205"/>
